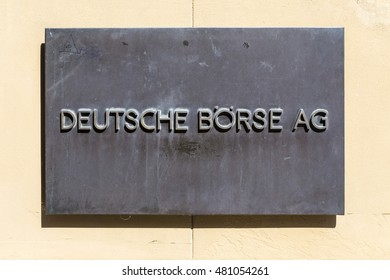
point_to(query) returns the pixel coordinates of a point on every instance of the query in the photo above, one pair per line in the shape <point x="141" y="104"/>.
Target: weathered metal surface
<point x="295" y="165"/>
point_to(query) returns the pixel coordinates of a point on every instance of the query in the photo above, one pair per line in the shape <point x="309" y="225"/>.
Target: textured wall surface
<point x="363" y="233"/>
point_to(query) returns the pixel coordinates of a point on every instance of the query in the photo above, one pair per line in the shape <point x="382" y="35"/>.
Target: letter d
<point x="66" y="125"/>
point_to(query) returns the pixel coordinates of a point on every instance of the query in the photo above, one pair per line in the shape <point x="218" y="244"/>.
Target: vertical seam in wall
<point x="192" y="237"/>
<point x="192" y="13"/>
<point x="192" y="217"/>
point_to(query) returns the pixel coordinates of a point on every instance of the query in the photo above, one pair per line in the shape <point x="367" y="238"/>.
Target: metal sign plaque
<point x="194" y="121"/>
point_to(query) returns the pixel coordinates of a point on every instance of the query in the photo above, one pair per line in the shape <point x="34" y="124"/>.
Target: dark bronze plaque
<point x="194" y="121"/>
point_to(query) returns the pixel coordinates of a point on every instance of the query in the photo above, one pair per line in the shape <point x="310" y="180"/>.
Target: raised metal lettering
<point x="228" y="114"/>
<point x="243" y="116"/>
<point x="259" y="120"/>
<point x="301" y="121"/>
<point x="131" y="121"/>
<point x="148" y="112"/>
<point x="117" y="113"/>
<point x="180" y="118"/>
<point x="274" y="118"/>
<point x="67" y="114"/>
<point x="164" y="118"/>
<point x="98" y="127"/>
<point x="83" y="119"/>
<point x="319" y="120"/>
<point x="205" y="119"/>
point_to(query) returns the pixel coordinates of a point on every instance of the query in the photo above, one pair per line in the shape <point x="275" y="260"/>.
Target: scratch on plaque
<point x="125" y="218"/>
<point x="192" y="58"/>
<point x="241" y="161"/>
<point x="266" y="66"/>
<point x="67" y="76"/>
<point x="241" y="176"/>
<point x="70" y="46"/>
<point x="203" y="64"/>
<point x="216" y="51"/>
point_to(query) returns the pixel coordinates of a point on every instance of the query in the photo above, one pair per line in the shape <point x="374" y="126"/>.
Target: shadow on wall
<point x="146" y="221"/>
<point x="166" y="221"/>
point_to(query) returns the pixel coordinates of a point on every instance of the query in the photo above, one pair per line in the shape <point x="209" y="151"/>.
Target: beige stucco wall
<point x="363" y="233"/>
